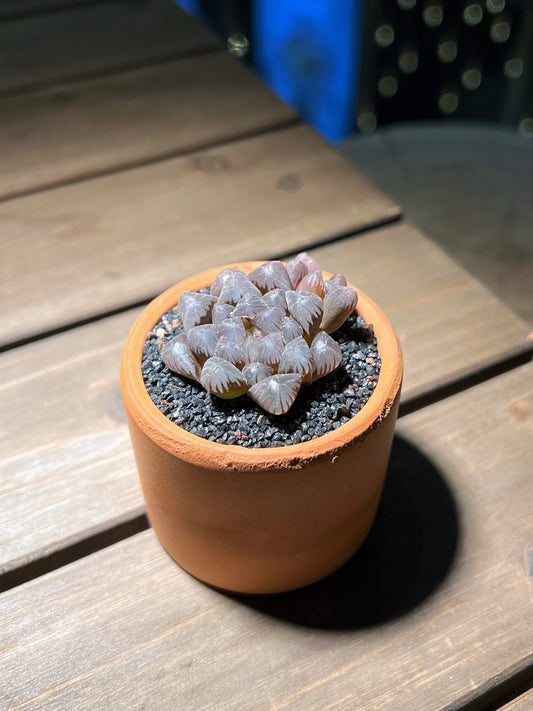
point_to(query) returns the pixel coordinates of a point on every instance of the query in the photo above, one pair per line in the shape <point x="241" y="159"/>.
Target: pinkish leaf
<point x="195" y="309"/>
<point x="296" y="271"/>
<point x="290" y="329"/>
<point x="277" y="393"/>
<point x="309" y="261"/>
<point x="251" y="347"/>
<point x="230" y="295"/>
<point x="232" y="329"/>
<point x="231" y="285"/>
<point x="202" y="341"/>
<point x="222" y="378"/>
<point x="326" y="354"/>
<point x="306" y="308"/>
<point x="220" y="312"/>
<point x="230" y="351"/>
<point x="177" y="356"/>
<point x="227" y="277"/>
<point x="314" y="281"/>
<point x="270" y="348"/>
<point x="339" y="303"/>
<point x="270" y="275"/>
<point x="338" y="279"/>
<point x="248" y="307"/>
<point x="296" y="358"/>
<point x="270" y="320"/>
<point x="276" y="298"/>
<point x="254" y="372"/>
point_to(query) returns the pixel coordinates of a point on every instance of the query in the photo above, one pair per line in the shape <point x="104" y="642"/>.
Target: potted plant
<point x="241" y="510"/>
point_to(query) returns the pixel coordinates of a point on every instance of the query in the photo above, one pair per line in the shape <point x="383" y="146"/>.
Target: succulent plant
<point x="265" y="333"/>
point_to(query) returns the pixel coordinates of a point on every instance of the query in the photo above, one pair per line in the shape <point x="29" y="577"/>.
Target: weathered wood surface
<point x="66" y="467"/>
<point x="106" y="243"/>
<point x="449" y="325"/>
<point x="119" y="120"/>
<point x="438" y="602"/>
<point x="20" y="8"/>
<point x="523" y="703"/>
<point x="88" y="40"/>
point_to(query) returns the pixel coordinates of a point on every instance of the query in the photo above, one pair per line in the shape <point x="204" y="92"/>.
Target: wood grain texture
<point x="127" y="626"/>
<point x="18" y="8"/>
<point x="110" y="242"/>
<point x="66" y="465"/>
<point x="433" y="304"/>
<point x="523" y="703"/>
<point x="118" y="120"/>
<point x="88" y="40"/>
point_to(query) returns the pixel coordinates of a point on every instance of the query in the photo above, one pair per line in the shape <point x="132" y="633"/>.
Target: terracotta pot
<point x="261" y="520"/>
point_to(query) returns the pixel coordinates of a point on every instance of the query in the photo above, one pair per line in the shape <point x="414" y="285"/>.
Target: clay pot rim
<point x="201" y="452"/>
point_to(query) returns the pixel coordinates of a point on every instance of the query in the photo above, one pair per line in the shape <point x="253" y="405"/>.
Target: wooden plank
<point x="433" y="304"/>
<point x="115" y="121"/>
<point x="438" y="602"/>
<point x="20" y="8"/>
<point x="65" y="463"/>
<point x="106" y="243"/>
<point x="523" y="703"/>
<point x="89" y="40"/>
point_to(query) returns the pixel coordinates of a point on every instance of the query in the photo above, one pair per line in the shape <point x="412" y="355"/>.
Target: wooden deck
<point x="136" y="152"/>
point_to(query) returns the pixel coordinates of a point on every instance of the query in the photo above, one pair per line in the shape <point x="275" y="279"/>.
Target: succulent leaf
<point x="177" y="356"/>
<point x="306" y="308"/>
<point x="254" y="372"/>
<point x="227" y="277"/>
<point x="309" y="261"/>
<point x="269" y="349"/>
<point x="276" y="298"/>
<point x="195" y="309"/>
<point x="232" y="329"/>
<point x="326" y="354"/>
<point x="314" y="281"/>
<point x="270" y="275"/>
<point x="290" y="329"/>
<point x="297" y="358"/>
<point x="230" y="295"/>
<point x="270" y="320"/>
<point x="251" y="332"/>
<point x="338" y="279"/>
<point x="222" y="378"/>
<point x="202" y="341"/>
<point x="251" y="347"/>
<point x="248" y="307"/>
<point x="296" y="271"/>
<point x="339" y="303"/>
<point x="277" y="393"/>
<point x="230" y="351"/>
<point x="220" y="312"/>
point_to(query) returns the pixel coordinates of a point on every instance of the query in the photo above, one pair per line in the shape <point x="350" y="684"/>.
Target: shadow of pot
<point x="261" y="520"/>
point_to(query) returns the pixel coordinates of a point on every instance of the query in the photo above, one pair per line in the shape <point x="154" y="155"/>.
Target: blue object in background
<point x="190" y="6"/>
<point x="308" y="52"/>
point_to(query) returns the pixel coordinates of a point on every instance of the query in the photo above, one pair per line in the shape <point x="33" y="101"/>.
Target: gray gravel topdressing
<point x="319" y="408"/>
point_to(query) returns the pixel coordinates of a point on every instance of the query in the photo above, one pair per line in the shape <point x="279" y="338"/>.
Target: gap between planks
<point x="459" y="614"/>
<point x="94" y="39"/>
<point x="41" y="335"/>
<point x="120" y="167"/>
<point x="418" y="294"/>
<point x="250" y="199"/>
<point x="130" y="525"/>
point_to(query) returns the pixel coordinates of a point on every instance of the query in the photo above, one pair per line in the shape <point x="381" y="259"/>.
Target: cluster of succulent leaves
<point x="265" y="333"/>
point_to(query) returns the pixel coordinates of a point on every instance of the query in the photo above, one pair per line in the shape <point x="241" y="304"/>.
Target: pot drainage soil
<point x="319" y="408"/>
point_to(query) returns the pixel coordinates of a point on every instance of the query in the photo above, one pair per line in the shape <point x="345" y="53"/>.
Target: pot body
<point x="264" y="520"/>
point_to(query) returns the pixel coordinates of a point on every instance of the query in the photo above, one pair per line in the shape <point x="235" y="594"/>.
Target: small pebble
<point x="319" y="408"/>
